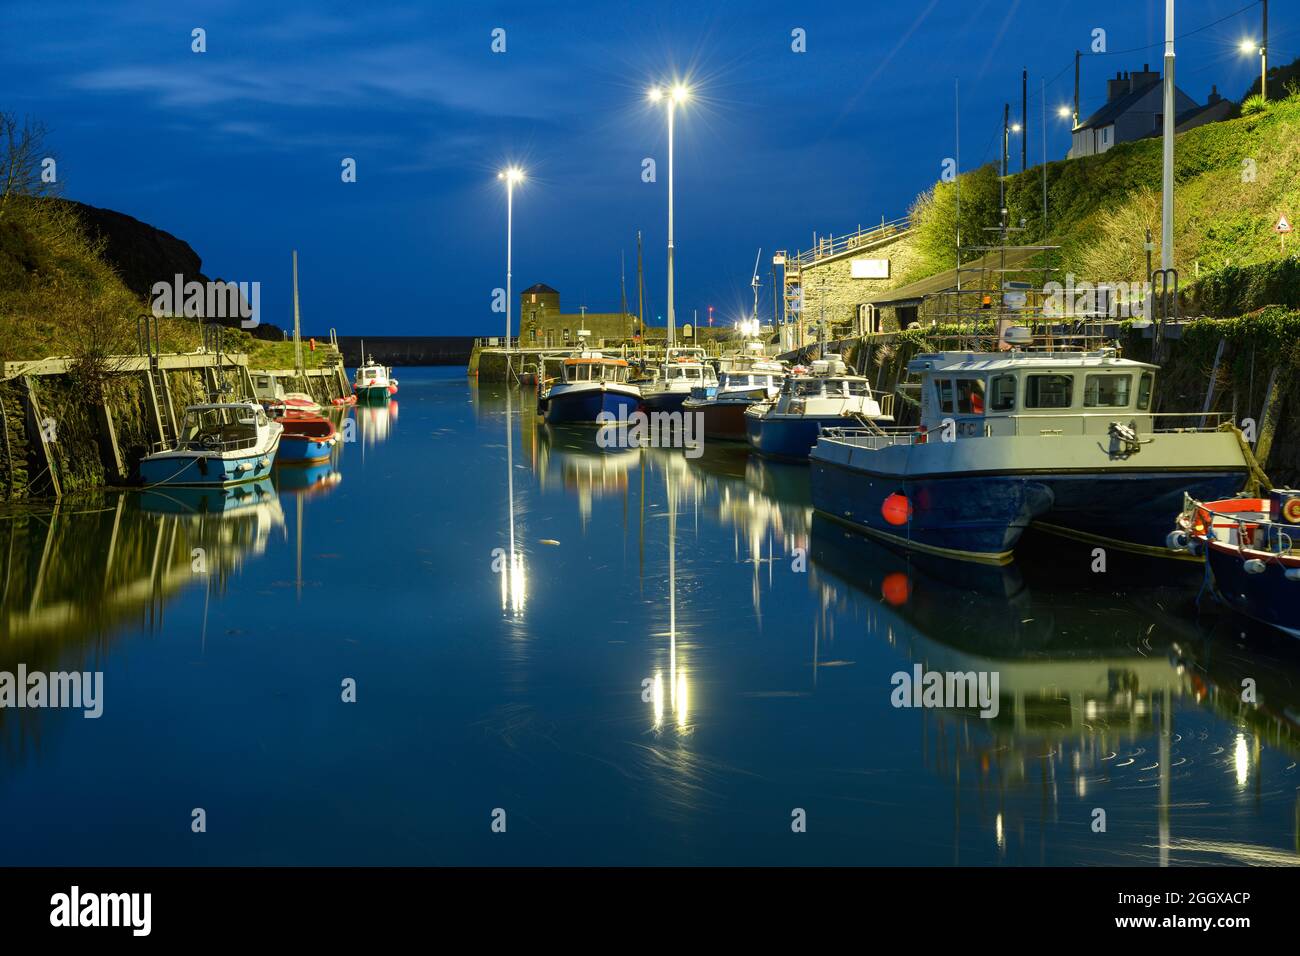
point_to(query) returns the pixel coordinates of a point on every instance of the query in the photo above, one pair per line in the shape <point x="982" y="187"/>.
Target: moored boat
<point x="1064" y="440"/>
<point x="373" y="382"/>
<point x="1251" y="547"/>
<point x="306" y="438"/>
<point x="722" y="407"/>
<point x="678" y="377"/>
<point x="220" y="444"/>
<point x="589" y="386"/>
<point x="788" y="426"/>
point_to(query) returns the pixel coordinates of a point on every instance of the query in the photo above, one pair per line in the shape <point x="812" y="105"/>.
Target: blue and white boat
<point x="1064" y="440"/>
<point x="788" y="426"/>
<point x="220" y="443"/>
<point x="685" y="370"/>
<point x="588" y="387"/>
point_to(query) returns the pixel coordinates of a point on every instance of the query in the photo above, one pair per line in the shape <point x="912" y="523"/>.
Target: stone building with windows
<point x="543" y="324"/>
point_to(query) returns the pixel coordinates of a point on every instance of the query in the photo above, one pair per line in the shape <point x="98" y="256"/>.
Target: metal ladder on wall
<point x="147" y="343"/>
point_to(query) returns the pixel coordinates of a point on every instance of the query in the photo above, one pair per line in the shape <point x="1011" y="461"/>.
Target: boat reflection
<point x="1087" y="677"/>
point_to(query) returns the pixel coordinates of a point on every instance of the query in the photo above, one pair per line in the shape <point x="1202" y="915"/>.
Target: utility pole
<point x="1077" y="57"/>
<point x="1167" y="181"/>
<point x="1042" y="97"/>
<point x="1024" y="119"/>
<point x="1006" y="133"/>
<point x="1263" y="57"/>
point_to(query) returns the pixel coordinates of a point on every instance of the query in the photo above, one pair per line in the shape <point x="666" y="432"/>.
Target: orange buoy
<point x="896" y="509"/>
<point x="896" y="588"/>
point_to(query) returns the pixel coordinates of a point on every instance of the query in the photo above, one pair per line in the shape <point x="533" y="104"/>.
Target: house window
<point x="532" y="333"/>
<point x="566" y="335"/>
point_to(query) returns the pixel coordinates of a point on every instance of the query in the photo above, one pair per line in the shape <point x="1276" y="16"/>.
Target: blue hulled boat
<point x="306" y="439"/>
<point x="1063" y="440"/>
<point x="788" y="426"/>
<point x="220" y="444"/>
<point x="1251" y="547"/>
<point x="589" y="388"/>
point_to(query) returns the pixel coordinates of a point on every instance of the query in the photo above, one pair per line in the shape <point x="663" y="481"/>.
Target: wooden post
<point x="1214" y="374"/>
<point x="109" y="452"/>
<point x="1269" y="424"/>
<point x="35" y="427"/>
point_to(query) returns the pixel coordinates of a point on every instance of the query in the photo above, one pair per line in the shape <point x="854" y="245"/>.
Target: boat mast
<point x="297" y="333"/>
<point x="640" y="294"/>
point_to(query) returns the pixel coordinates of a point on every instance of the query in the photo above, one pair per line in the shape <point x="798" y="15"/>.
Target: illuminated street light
<point x="677" y="93"/>
<point x="510" y="175"/>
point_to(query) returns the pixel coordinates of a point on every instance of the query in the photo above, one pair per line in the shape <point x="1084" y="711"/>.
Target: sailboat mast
<point x="297" y="331"/>
<point x="640" y="293"/>
<point x="622" y="281"/>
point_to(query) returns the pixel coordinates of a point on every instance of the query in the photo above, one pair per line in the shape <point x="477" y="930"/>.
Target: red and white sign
<point x="1283" y="226"/>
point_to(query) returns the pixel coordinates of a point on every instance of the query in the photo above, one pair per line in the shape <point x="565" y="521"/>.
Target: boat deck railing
<point x="1039" y="425"/>
<point x="194" y="444"/>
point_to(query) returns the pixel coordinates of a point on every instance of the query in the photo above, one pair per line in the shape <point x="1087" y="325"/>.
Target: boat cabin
<point x="370" y="374"/>
<point x="1028" y="393"/>
<point x="267" y="387"/>
<point x="594" y="369"/>
<point x="689" y="372"/>
<point x="222" y="427"/>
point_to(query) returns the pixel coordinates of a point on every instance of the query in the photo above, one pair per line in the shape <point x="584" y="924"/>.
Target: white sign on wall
<point x="870" y="268"/>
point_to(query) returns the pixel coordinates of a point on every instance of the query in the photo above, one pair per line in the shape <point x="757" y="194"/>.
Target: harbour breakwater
<point x="399" y="350"/>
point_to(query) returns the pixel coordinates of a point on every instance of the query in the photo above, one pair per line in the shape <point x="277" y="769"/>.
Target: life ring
<point x="1291" y="510"/>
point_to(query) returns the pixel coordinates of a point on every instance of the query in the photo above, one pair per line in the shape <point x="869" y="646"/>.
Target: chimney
<point x="1116" y="88"/>
<point x="1214" y="96"/>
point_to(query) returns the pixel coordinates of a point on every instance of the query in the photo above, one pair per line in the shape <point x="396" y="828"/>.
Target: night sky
<point x="238" y="150"/>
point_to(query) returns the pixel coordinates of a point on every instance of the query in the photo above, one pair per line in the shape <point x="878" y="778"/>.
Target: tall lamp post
<point x="1250" y="46"/>
<point x="674" y="95"/>
<point x="510" y="176"/>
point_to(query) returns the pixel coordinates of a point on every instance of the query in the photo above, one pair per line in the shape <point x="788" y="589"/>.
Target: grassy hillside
<point x="1234" y="179"/>
<point x="60" y="296"/>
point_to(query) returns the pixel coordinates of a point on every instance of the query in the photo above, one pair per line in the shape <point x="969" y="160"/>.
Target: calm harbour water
<point x="662" y="680"/>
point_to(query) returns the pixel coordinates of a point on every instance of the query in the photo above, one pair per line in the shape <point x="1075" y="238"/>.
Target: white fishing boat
<point x="722" y="406"/>
<point x="1064" y="440"/>
<point x="220" y="444"/>
<point x="588" y="387"/>
<point x="373" y="382"/>
<point x="788" y="426"/>
<point x="676" y="379"/>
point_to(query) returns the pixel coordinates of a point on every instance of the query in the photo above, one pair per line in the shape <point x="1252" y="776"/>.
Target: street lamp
<point x="1249" y="47"/>
<point x="673" y="95"/>
<point x="510" y="175"/>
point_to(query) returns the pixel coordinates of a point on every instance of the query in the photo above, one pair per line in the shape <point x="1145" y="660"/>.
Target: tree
<point x="22" y="159"/>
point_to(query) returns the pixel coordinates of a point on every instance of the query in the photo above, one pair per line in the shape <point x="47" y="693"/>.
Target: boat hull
<point x="789" y="436"/>
<point x="373" y="394"/>
<point x="586" y="406"/>
<point x="302" y="450"/>
<point x="721" y="421"/>
<point x="982" y="517"/>
<point x="1268" y="597"/>
<point x="197" y="470"/>
<point x="664" y="401"/>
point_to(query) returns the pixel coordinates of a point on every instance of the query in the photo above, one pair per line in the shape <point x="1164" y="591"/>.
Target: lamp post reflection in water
<point x="513" y="586"/>
<point x="677" y="696"/>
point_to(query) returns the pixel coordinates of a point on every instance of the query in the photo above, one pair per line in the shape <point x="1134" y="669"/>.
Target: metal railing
<point x="828" y="246"/>
<point x="214" y="446"/>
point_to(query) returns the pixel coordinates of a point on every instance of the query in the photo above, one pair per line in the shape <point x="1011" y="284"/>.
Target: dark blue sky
<point x="238" y="150"/>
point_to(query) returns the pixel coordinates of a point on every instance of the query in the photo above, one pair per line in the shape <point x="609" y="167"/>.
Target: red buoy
<point x="896" y="509"/>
